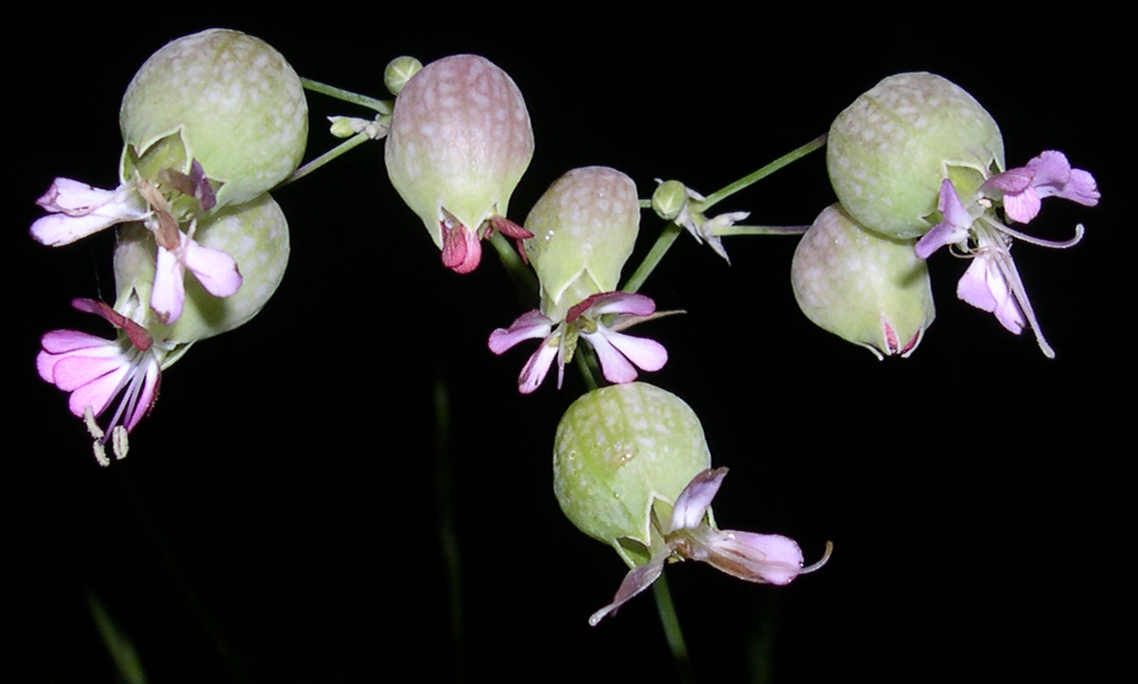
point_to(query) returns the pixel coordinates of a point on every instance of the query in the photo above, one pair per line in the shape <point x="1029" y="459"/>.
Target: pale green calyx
<point x="224" y="98"/>
<point x="619" y="451"/>
<point x="888" y="152"/>
<point x="865" y="288"/>
<point x="584" y="228"/>
<point x="254" y="234"/>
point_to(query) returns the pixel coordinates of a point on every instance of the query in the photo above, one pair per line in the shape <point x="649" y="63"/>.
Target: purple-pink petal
<point x="637" y="580"/>
<point x="692" y="503"/>
<point x="984" y="287"/>
<point x="99" y="392"/>
<point x="952" y="230"/>
<point x="530" y="325"/>
<point x="764" y="558"/>
<point x="621" y="303"/>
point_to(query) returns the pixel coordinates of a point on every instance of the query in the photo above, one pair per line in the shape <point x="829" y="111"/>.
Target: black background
<point x="278" y="518"/>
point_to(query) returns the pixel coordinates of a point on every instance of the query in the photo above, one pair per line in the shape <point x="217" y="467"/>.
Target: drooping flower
<point x="862" y="286"/>
<point x="96" y="371"/>
<point x="631" y="468"/>
<point x="459" y="142"/>
<point x="992" y="282"/>
<point x="759" y="558"/>
<point x="77" y="210"/>
<point x="619" y="354"/>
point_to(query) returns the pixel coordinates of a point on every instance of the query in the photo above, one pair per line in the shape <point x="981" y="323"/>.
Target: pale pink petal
<point x="763" y="558"/>
<point x="528" y="326"/>
<point x="167" y="297"/>
<point x="614" y="365"/>
<point x="692" y="503"/>
<point x="78" y="210"/>
<point x="621" y="303"/>
<point x="61" y="341"/>
<point x="637" y="580"/>
<point x="535" y="370"/>
<point x="98" y="393"/>
<point x="984" y="287"/>
<point x="647" y="354"/>
<point x="215" y="270"/>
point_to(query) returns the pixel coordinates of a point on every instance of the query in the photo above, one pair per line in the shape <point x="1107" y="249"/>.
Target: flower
<point x="1047" y="175"/>
<point x="619" y="354"/>
<point x="690" y="216"/>
<point x="96" y="370"/>
<point x="78" y="210"/>
<point x="992" y="282"/>
<point x="760" y="558"/>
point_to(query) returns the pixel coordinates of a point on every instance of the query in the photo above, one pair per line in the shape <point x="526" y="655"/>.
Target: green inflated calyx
<point x="866" y="288"/>
<point x="220" y="97"/>
<point x="584" y="228"/>
<point x="888" y="152"/>
<point x="621" y="451"/>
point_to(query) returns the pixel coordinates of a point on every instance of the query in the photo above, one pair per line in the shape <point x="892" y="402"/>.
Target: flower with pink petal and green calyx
<point x="972" y="229"/>
<point x="97" y="371"/>
<point x="228" y="100"/>
<point x="584" y="228"/>
<point x="631" y="468"/>
<point x="888" y="152"/>
<point x="254" y="235"/>
<point x="459" y="142"/>
<point x="863" y="287"/>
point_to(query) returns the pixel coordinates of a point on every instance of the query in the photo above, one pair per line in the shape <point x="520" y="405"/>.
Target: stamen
<point x="825" y="558"/>
<point x="1008" y="268"/>
<point x="1040" y="242"/>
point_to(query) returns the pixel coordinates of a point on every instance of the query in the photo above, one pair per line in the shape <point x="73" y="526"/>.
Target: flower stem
<point x="381" y="106"/>
<point x="759" y="230"/>
<point x="352" y="142"/>
<point x="671" y="624"/>
<point x="663" y="243"/>
<point x="523" y="275"/>
<point x="747" y="181"/>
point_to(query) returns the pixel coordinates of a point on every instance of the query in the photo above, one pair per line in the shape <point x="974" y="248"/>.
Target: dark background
<point x="278" y="518"/>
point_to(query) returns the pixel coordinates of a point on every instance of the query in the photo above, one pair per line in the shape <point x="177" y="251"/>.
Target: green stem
<point x="655" y="255"/>
<point x="352" y="142"/>
<point x="759" y="230"/>
<point x="671" y="624"/>
<point x="522" y="273"/>
<point x="448" y="535"/>
<point x="381" y="106"/>
<point x="784" y="160"/>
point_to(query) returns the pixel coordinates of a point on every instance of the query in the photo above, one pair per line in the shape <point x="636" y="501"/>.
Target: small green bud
<point x="399" y="71"/>
<point x="619" y="450"/>
<point x="669" y="199"/>
<point x="861" y="286"/>
<point x="224" y="98"/>
<point x="888" y="152"/>
<point x="584" y="228"/>
<point x="255" y="234"/>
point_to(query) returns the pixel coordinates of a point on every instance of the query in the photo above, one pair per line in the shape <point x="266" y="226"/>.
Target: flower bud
<point x="865" y="288"/>
<point x="618" y="451"/>
<point x="669" y="199"/>
<point x="224" y="98"/>
<point x="255" y="234"/>
<point x="888" y="152"/>
<point x="459" y="142"/>
<point x="399" y="71"/>
<point x="584" y="228"/>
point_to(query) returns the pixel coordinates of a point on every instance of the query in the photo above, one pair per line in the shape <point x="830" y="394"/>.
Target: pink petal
<point x="1022" y="206"/>
<point x="78" y="210"/>
<point x="647" y="354"/>
<point x="62" y="341"/>
<point x="72" y="371"/>
<point x="215" y="270"/>
<point x="145" y="399"/>
<point x="528" y="326"/>
<point x="614" y="365"/>
<point x="616" y="302"/>
<point x="461" y="249"/>
<point x="535" y="370"/>
<point x="763" y="558"/>
<point x="984" y="287"/>
<point x="1051" y="168"/>
<point x="1081" y="188"/>
<point x="167" y="297"/>
<point x="98" y="393"/>
<point x="692" y="503"/>
<point x="636" y="581"/>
